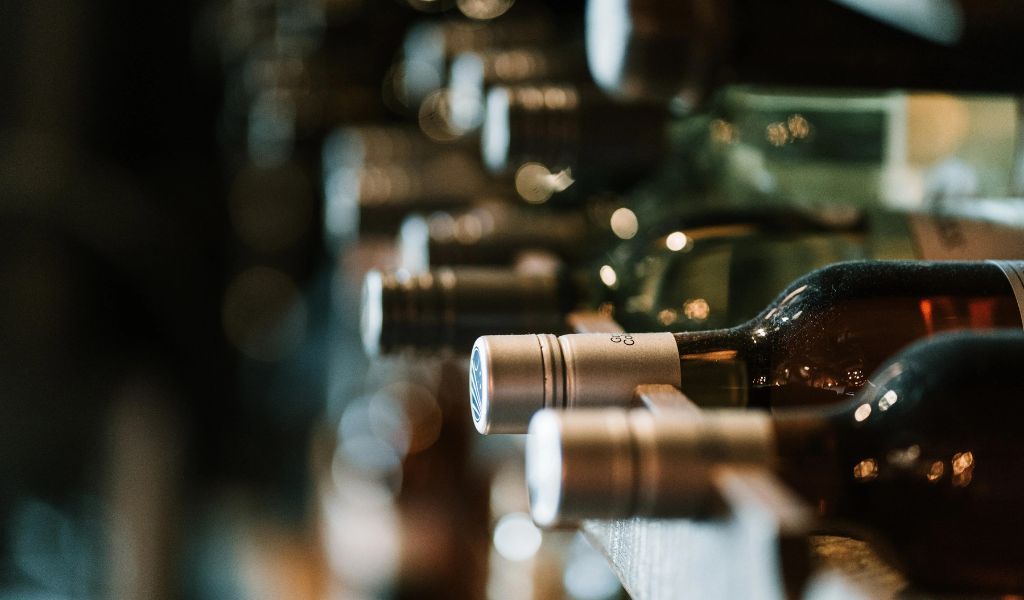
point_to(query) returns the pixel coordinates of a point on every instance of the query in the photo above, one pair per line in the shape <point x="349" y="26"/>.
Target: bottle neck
<point x="806" y="446"/>
<point x="801" y="446"/>
<point x="451" y="307"/>
<point x="717" y="366"/>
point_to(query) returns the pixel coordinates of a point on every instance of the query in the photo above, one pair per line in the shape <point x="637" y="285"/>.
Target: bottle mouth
<point x="511" y="378"/>
<point x="581" y="465"/>
<point x="476" y="388"/>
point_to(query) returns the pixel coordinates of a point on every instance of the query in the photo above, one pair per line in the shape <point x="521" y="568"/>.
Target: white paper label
<point x="1014" y="271"/>
<point x="951" y="238"/>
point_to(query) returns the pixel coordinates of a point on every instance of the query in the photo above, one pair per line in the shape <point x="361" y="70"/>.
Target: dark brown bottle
<point x="685" y="49"/>
<point x="926" y="460"/>
<point x="815" y="344"/>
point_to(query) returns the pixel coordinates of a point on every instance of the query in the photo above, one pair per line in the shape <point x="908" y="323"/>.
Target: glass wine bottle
<point x="926" y="460"/>
<point x="815" y="344"/>
<point x="449" y="307"/>
<point x="718" y="269"/>
<point x="753" y="146"/>
<point x="685" y="50"/>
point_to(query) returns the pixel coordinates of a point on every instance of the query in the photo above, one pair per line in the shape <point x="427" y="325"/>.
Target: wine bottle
<point x="450" y="307"/>
<point x="756" y="145"/>
<point x="717" y="272"/>
<point x="865" y="148"/>
<point x="927" y="457"/>
<point x="685" y="50"/>
<point x="815" y="344"/>
<point x="446" y="308"/>
<point x="705" y="278"/>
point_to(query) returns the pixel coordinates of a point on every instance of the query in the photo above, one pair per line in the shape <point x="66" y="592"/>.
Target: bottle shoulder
<point x="862" y="278"/>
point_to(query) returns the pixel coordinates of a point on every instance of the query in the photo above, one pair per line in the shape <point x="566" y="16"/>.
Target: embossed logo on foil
<point x="476" y="384"/>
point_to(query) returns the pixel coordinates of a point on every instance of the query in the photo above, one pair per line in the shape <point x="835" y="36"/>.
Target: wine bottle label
<point x="952" y="238"/>
<point x="1014" y="271"/>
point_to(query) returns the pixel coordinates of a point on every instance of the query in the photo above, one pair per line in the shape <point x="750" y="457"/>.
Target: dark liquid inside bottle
<point x="929" y="458"/>
<point x="818" y="343"/>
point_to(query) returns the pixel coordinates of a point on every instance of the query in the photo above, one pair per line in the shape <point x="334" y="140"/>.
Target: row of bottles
<point x="925" y="461"/>
<point x="776" y="204"/>
<point x="749" y="245"/>
<point x="409" y="502"/>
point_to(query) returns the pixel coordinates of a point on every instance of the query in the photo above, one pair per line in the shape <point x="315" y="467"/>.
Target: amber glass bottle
<point x="815" y="344"/>
<point x="925" y="460"/>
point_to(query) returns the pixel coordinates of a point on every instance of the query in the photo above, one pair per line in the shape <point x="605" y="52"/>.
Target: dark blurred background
<point x="176" y="350"/>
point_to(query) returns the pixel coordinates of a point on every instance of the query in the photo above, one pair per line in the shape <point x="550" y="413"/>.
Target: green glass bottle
<point x="891" y="148"/>
<point x="718" y="269"/>
<point x="754" y="146"/>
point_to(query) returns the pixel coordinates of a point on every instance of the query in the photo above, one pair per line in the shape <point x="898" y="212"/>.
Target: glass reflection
<point x="865" y="470"/>
<point x="888" y="399"/>
<point x="677" y="241"/>
<point x="697" y="310"/>
<point x="608" y="276"/>
<point x="483" y="10"/>
<point x="624" y="223"/>
<point x="962" y="468"/>
<point x="535" y="183"/>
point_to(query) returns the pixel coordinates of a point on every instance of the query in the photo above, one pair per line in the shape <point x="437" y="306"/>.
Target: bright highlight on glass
<point x="865" y="470"/>
<point x="608" y="276"/>
<point x="697" y="309"/>
<point x="888" y="399"/>
<point x="483" y="10"/>
<point x="535" y="183"/>
<point x="624" y="223"/>
<point x="676" y="241"/>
